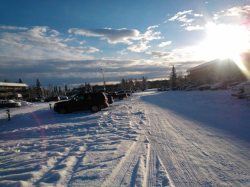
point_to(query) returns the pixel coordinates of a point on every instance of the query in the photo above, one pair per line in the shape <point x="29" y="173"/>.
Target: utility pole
<point x="104" y="85"/>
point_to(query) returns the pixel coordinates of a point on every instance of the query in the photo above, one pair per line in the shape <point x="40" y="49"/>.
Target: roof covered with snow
<point x="202" y="65"/>
<point x="8" y="84"/>
<point x="206" y="64"/>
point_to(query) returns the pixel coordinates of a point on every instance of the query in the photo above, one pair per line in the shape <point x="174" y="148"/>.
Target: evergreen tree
<point x="123" y="83"/>
<point x="144" y="83"/>
<point x="131" y="84"/>
<point x="59" y="90"/>
<point x="55" y="90"/>
<point x="45" y="92"/>
<point x="173" y="78"/>
<point x="88" y="88"/>
<point x="66" y="88"/>
<point x="137" y="84"/>
<point x="38" y="84"/>
<point x="38" y="89"/>
<point x="20" y="80"/>
<point x="50" y="90"/>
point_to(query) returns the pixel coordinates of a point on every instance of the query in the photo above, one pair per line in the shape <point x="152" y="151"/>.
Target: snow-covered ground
<point x="150" y="139"/>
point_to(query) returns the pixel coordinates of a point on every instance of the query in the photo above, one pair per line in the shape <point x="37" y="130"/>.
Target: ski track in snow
<point x="193" y="154"/>
<point x="141" y="141"/>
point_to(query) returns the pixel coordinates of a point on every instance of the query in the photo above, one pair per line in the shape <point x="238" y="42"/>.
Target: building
<point x="215" y="71"/>
<point x="12" y="90"/>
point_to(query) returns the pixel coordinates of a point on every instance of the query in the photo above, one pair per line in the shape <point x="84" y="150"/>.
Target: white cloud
<point x="81" y="42"/>
<point x="150" y="34"/>
<point x="136" y="41"/>
<point x="152" y="27"/>
<point x="198" y="15"/>
<point x="9" y="27"/>
<point x="88" y="49"/>
<point x="189" y="20"/>
<point x="143" y="44"/>
<point x="141" y="47"/>
<point x="164" y="44"/>
<point x="61" y="72"/>
<point x="113" y="36"/>
<point x="122" y="52"/>
<point x="182" y="54"/>
<point x="193" y="28"/>
<point x="40" y="43"/>
<point x="237" y="11"/>
<point x="192" y="21"/>
<point x="160" y="54"/>
<point x="180" y="15"/>
<point x="237" y="14"/>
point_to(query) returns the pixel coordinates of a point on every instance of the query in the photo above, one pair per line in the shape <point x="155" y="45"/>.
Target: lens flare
<point x="224" y="41"/>
<point x="242" y="66"/>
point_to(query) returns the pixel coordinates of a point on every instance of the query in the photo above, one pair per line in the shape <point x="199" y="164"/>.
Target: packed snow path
<point x="202" y="139"/>
<point x="151" y="139"/>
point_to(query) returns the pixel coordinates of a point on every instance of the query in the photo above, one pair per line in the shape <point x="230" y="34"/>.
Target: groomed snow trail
<point x="193" y="154"/>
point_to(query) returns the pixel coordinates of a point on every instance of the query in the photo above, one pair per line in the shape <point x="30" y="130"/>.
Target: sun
<point x="225" y="41"/>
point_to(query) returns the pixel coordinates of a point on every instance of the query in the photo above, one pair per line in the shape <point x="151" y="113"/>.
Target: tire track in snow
<point x="154" y="126"/>
<point x="156" y="173"/>
<point x="182" y="172"/>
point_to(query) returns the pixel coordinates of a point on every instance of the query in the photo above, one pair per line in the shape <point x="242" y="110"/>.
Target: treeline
<point x="175" y="81"/>
<point x="38" y="91"/>
<point x="134" y="84"/>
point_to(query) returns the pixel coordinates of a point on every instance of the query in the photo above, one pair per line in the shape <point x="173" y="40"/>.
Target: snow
<point x="13" y="84"/>
<point x="216" y="109"/>
<point x="151" y="139"/>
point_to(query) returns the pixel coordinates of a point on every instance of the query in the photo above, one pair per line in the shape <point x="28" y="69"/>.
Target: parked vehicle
<point x="241" y="90"/>
<point x="35" y="100"/>
<point x="62" y="98"/>
<point x="89" y="101"/>
<point x="119" y="95"/>
<point x="191" y="88"/>
<point x="49" y="99"/>
<point x="204" y="87"/>
<point x="9" y="104"/>
<point x="129" y="93"/>
<point x="110" y="98"/>
<point x="163" y="89"/>
<point x="219" y="86"/>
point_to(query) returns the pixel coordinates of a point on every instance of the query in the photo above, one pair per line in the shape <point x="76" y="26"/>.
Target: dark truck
<point x="80" y="102"/>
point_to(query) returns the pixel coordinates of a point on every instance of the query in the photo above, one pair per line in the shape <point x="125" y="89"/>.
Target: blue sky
<point x="67" y="42"/>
